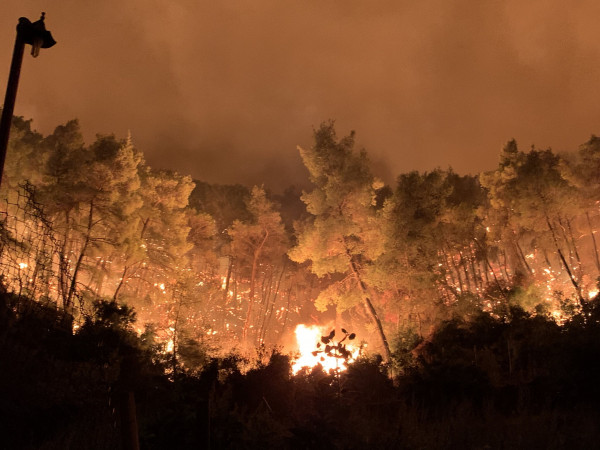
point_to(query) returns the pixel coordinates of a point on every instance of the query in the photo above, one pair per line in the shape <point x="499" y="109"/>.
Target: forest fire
<point x="315" y="346"/>
<point x="145" y="308"/>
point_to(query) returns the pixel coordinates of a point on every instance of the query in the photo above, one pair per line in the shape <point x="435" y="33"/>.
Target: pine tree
<point x="344" y="234"/>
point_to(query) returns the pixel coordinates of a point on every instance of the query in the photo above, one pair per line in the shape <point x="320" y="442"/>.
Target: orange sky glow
<point x="225" y="91"/>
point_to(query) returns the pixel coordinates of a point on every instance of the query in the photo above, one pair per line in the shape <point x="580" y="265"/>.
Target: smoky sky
<point x="225" y="90"/>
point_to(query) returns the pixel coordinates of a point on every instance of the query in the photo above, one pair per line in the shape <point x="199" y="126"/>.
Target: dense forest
<point x="473" y="297"/>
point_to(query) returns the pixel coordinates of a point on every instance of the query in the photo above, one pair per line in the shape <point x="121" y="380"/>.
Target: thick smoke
<point x="225" y="90"/>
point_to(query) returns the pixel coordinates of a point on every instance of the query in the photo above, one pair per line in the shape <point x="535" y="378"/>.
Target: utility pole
<point x="36" y="35"/>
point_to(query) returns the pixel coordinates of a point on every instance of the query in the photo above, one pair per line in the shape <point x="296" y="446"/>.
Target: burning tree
<point x="257" y="241"/>
<point x="83" y="223"/>
<point x="344" y="235"/>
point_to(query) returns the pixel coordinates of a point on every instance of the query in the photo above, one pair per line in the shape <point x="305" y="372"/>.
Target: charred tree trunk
<point x="456" y="270"/>
<point x="255" y="258"/>
<point x="564" y="261"/>
<point x="250" y="299"/>
<point x="287" y="311"/>
<point x="77" y="267"/>
<point x="227" y="280"/>
<point x="265" y="302"/>
<point x="547" y="259"/>
<point x="522" y="256"/>
<point x="597" y="259"/>
<point x="464" y="267"/>
<point x="369" y="305"/>
<point x="267" y="319"/>
<point x="461" y="285"/>
<point x="477" y="277"/>
<point x="504" y="266"/>
<point x="121" y="282"/>
<point x="447" y="268"/>
<point x="575" y="250"/>
<point x="63" y="263"/>
<point x="487" y="262"/>
<point x="569" y="240"/>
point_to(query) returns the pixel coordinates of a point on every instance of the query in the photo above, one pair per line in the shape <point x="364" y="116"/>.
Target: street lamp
<point x="36" y="35"/>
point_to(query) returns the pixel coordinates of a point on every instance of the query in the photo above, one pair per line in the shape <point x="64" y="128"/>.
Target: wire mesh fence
<point x="34" y="263"/>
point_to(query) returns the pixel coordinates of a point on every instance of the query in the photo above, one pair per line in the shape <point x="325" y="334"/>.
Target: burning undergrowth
<point x="319" y="349"/>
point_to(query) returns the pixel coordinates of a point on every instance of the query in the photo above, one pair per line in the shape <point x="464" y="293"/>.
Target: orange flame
<point x="308" y="338"/>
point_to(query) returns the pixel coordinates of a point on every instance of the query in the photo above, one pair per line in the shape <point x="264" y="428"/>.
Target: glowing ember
<point x="308" y="339"/>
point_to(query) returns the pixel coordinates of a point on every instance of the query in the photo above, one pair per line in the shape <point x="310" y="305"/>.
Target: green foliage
<point x="344" y="224"/>
<point x="403" y="349"/>
<point x="528" y="299"/>
<point x="226" y="203"/>
<point x="338" y="295"/>
<point x="250" y="238"/>
<point x="99" y="223"/>
<point x="25" y="157"/>
<point x="344" y="235"/>
<point x="163" y="226"/>
<point x="191" y="354"/>
<point x="258" y="243"/>
<point x="261" y="237"/>
<point x="110" y="314"/>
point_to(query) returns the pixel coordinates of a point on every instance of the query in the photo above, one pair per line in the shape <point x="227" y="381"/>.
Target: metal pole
<point x="10" y="97"/>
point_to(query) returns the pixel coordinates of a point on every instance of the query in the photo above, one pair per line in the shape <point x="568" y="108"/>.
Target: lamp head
<point x="35" y="34"/>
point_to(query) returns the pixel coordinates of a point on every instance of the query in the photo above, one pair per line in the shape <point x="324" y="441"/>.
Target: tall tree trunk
<point x="573" y="254"/>
<point x="268" y="317"/>
<point x="265" y="302"/>
<point x="77" y="267"/>
<point x="504" y="265"/>
<point x="487" y="261"/>
<point x="447" y="266"/>
<point x="101" y="278"/>
<point x="547" y="259"/>
<point x="457" y="271"/>
<point x="587" y="215"/>
<point x="256" y="256"/>
<point x="564" y="261"/>
<point x="463" y="264"/>
<point x="227" y="280"/>
<point x="250" y="298"/>
<point x="121" y="282"/>
<point x="522" y="255"/>
<point x="175" y="335"/>
<point x="287" y="311"/>
<point x="235" y="284"/>
<point x="477" y="277"/>
<point x="63" y="263"/>
<point x="574" y="244"/>
<point x="369" y="306"/>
